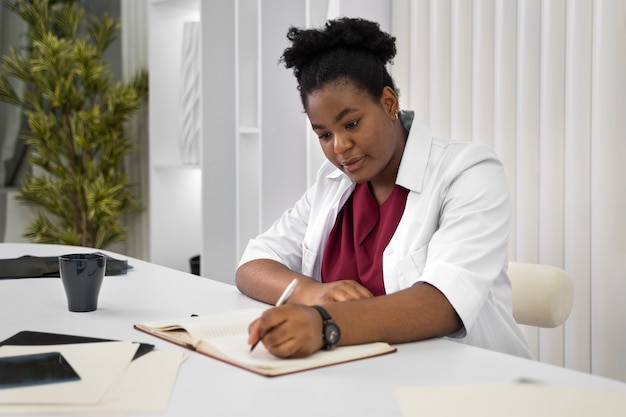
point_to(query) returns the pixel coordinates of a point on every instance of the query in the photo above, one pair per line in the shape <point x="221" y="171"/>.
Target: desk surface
<point x="211" y="388"/>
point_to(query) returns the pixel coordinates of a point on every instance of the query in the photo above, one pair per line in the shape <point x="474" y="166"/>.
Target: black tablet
<point x="35" y="369"/>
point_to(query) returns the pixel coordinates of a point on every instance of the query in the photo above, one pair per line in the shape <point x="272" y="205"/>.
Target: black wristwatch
<point x="330" y="330"/>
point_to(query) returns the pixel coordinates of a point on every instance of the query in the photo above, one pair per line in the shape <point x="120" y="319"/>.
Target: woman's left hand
<point x="291" y="330"/>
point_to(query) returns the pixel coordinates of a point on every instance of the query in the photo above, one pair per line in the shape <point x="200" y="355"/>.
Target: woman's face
<point x="357" y="134"/>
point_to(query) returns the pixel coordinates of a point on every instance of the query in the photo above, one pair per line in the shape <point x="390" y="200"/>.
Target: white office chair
<point x="542" y="294"/>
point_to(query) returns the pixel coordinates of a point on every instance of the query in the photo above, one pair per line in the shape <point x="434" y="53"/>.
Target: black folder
<point x="32" y="338"/>
<point x="48" y="266"/>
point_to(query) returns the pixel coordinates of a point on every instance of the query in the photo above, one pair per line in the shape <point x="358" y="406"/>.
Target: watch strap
<point x="330" y="331"/>
<point x="323" y="313"/>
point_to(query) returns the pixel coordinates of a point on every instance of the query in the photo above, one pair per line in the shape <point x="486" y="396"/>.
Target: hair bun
<point x="340" y="33"/>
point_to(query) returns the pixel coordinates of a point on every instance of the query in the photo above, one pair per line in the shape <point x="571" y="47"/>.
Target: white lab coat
<point x="453" y="233"/>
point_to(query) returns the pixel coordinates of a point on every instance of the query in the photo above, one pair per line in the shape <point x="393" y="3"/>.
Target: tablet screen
<point x="35" y="369"/>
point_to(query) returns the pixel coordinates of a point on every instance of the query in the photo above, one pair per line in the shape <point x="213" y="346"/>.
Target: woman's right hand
<point x="289" y="331"/>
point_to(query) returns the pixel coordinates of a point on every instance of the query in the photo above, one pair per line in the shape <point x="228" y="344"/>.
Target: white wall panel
<point x="527" y="141"/>
<point x="551" y="158"/>
<point x="419" y="34"/>
<point x="482" y="72"/>
<point x="248" y="142"/>
<point x="219" y="133"/>
<point x="461" y="28"/>
<point x="528" y="125"/>
<point x="505" y="97"/>
<point x="608" y="190"/>
<point x="284" y="128"/>
<point x="440" y="59"/>
<point x="577" y="245"/>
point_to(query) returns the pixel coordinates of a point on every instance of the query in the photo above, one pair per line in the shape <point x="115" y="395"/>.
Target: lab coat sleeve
<point x="282" y="242"/>
<point x="467" y="255"/>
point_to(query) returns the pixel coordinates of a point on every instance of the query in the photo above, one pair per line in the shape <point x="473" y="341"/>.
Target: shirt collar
<point x="412" y="170"/>
<point x="414" y="160"/>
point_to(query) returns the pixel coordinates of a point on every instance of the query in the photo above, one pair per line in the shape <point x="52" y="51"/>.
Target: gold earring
<point x="395" y="115"/>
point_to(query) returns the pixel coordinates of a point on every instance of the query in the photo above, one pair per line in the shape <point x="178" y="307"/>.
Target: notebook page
<point x="211" y="325"/>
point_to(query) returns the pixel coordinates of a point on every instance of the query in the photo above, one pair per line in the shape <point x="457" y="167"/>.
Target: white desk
<point x="208" y="387"/>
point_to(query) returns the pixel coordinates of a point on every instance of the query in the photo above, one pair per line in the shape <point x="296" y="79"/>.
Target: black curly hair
<point x="345" y="49"/>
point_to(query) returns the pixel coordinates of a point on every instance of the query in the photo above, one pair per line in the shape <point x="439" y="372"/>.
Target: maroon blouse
<point x="361" y="233"/>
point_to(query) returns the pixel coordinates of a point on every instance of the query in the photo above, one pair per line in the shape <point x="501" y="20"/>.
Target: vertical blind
<point x="544" y="84"/>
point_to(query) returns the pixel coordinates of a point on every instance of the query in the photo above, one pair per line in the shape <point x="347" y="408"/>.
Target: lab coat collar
<point x="412" y="170"/>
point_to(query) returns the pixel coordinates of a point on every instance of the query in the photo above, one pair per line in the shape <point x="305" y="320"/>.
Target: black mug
<point x="82" y="276"/>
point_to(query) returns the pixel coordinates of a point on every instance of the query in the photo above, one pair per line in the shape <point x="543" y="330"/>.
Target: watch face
<point x="332" y="334"/>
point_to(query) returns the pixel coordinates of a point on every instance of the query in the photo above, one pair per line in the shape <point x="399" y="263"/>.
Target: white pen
<point x="281" y="300"/>
<point x="287" y="293"/>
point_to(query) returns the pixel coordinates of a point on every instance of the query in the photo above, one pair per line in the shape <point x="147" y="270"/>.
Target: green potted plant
<point x="76" y="133"/>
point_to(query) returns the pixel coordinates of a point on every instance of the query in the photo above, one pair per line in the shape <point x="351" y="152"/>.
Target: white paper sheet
<point x="146" y="386"/>
<point x="100" y="365"/>
<point x="511" y="400"/>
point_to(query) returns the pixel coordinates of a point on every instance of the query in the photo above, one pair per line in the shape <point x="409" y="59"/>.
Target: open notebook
<point x="224" y="336"/>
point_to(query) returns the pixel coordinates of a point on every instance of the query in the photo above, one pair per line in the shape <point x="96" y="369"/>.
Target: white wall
<point x="18" y="217"/>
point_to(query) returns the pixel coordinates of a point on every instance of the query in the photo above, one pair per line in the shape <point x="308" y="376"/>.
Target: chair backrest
<point x="542" y="294"/>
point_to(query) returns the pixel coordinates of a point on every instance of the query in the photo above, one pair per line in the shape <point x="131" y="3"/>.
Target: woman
<point x="403" y="237"/>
